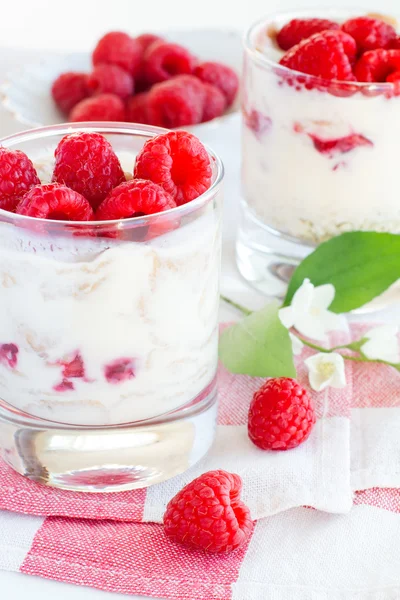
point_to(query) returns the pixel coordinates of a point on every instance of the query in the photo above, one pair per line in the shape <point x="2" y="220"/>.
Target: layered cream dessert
<point x="101" y="330"/>
<point x="319" y="157"/>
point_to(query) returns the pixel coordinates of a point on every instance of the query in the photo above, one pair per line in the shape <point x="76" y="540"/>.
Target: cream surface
<point x="293" y="186"/>
<point x="140" y="317"/>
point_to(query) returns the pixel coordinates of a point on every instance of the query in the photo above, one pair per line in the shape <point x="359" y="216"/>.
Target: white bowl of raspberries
<point x="181" y="79"/>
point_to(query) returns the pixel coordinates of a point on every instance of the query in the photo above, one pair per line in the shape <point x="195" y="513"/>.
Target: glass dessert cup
<point x="319" y="158"/>
<point x="109" y="334"/>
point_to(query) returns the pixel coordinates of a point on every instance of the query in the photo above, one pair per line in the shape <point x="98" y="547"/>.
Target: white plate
<point x="26" y="92"/>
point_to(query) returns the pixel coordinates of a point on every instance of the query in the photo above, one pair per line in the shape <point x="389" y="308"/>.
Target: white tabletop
<point x="42" y="24"/>
<point x="21" y="37"/>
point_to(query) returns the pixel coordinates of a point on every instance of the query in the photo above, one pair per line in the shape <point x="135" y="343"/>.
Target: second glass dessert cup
<point x="319" y="158"/>
<point x="109" y="334"/>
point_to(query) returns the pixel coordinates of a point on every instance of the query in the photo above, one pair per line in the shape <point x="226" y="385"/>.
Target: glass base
<point x="266" y="258"/>
<point x="113" y="458"/>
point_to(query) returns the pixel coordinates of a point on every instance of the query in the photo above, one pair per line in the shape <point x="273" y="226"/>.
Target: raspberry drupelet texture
<point x="214" y="103"/>
<point x="328" y="55"/>
<point x="176" y="103"/>
<point x="222" y="76"/>
<point x="394" y="78"/>
<point x="299" y="29"/>
<point x="281" y="415"/>
<point x="136" y="108"/>
<point x="395" y="43"/>
<point x="69" y="89"/>
<point x="178" y="162"/>
<point x="56" y="202"/>
<point x="87" y="163"/>
<point x="369" y="33"/>
<point x="134" y="198"/>
<point x="104" y="107"/>
<point x="163" y="60"/>
<point x="377" y="65"/>
<point x="208" y="514"/>
<point x="118" y="48"/>
<point x="146" y="39"/>
<point x="110" y="79"/>
<point x="17" y="176"/>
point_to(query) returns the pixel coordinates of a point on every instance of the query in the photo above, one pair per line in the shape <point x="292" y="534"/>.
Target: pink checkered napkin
<point x="300" y="554"/>
<point x="316" y="474"/>
<point x="375" y="424"/>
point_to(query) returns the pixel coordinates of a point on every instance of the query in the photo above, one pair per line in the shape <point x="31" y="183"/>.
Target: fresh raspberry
<point x="17" y="176"/>
<point x="134" y="198"/>
<point x="9" y="355"/>
<point x="393" y="77"/>
<point x="69" y="89"/>
<point x="214" y="103"/>
<point x="299" y="29"/>
<point x="118" y="48"/>
<point x="258" y="123"/>
<point x="136" y="108"/>
<point x="120" y="369"/>
<point x="339" y="145"/>
<point x="176" y="103"/>
<point x="110" y="79"/>
<point x="281" y="415"/>
<point x="178" y="162"/>
<point x="163" y="60"/>
<point x="55" y="201"/>
<point x="376" y="65"/>
<point x="87" y="163"/>
<point x="369" y="33"/>
<point x="147" y="39"/>
<point x="372" y="66"/>
<point x="395" y="43"/>
<point x="327" y="55"/>
<point x="222" y="76"/>
<point x="104" y="107"/>
<point x="208" y="514"/>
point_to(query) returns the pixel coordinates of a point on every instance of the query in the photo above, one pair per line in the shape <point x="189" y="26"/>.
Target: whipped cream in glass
<point x="317" y="160"/>
<point x="114" y="328"/>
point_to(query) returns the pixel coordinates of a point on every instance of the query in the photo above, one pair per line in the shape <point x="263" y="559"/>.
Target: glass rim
<point x="107" y="127"/>
<point x="261" y="58"/>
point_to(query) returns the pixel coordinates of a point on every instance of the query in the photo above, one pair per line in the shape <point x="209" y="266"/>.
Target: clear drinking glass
<point x="319" y="158"/>
<point x="108" y="333"/>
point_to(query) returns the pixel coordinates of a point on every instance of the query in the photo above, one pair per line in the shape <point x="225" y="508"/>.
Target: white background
<point x="76" y="25"/>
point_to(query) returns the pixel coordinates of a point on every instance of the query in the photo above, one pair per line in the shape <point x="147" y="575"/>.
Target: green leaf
<point x="360" y="264"/>
<point x="259" y="345"/>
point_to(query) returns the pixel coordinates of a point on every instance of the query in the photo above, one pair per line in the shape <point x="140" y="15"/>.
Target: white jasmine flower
<point x="297" y="345"/>
<point x="326" y="369"/>
<point x="382" y="343"/>
<point x="309" y="313"/>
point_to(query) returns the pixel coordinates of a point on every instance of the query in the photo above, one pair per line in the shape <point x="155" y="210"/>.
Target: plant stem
<point x="354" y="346"/>
<point x="314" y="346"/>
<point x="242" y="309"/>
<point x="361" y="358"/>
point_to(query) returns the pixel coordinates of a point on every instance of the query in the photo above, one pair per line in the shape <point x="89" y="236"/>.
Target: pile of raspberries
<point x="364" y="49"/>
<point x="146" y="79"/>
